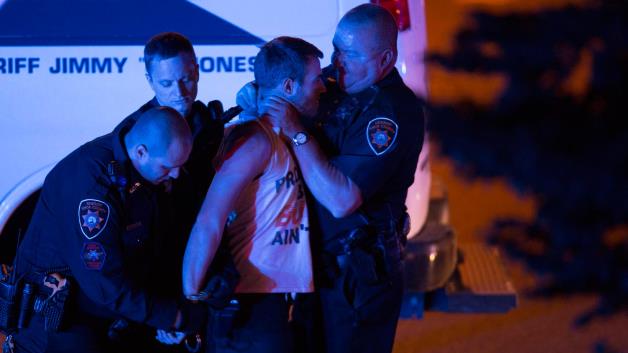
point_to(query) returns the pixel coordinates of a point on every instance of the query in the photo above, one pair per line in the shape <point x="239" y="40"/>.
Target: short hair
<point x="166" y="45"/>
<point x="378" y="19"/>
<point x="158" y="128"/>
<point x="281" y="58"/>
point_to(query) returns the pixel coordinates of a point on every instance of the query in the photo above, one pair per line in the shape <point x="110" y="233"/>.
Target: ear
<point x="387" y="58"/>
<point x="288" y="87"/>
<point x="148" y="78"/>
<point x="141" y="152"/>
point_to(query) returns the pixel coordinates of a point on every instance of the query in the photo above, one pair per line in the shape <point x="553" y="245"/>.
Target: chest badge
<point x="92" y="217"/>
<point x="381" y="133"/>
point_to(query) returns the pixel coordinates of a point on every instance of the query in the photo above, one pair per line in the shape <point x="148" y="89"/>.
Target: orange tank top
<point x="269" y="237"/>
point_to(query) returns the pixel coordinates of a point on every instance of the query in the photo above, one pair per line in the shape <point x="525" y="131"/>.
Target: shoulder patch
<point x="92" y="217"/>
<point x="93" y="256"/>
<point x="381" y="134"/>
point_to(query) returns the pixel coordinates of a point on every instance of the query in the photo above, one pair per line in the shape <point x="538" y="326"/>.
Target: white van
<point x="71" y="70"/>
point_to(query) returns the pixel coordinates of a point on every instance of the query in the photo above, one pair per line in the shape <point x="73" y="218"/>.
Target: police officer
<point x="173" y="74"/>
<point x="358" y="167"/>
<point x="89" y="244"/>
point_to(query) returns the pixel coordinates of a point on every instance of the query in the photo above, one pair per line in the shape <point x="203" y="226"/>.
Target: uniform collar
<point x="151" y="104"/>
<point x="121" y="156"/>
<point x="329" y="76"/>
<point x="367" y="96"/>
<point x="391" y="79"/>
<point x="119" y="149"/>
<point x="193" y="118"/>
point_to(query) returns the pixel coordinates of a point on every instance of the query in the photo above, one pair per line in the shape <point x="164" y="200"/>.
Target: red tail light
<point x="399" y="9"/>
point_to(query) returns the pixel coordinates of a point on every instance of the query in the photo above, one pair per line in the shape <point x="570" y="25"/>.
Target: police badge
<point x="92" y="217"/>
<point x="381" y="134"/>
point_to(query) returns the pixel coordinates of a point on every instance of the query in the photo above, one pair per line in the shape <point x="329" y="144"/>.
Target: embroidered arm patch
<point x="92" y="217"/>
<point x="93" y="256"/>
<point x="381" y="134"/>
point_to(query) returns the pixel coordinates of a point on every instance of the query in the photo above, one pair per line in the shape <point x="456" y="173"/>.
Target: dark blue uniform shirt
<point x="101" y="231"/>
<point x="374" y="137"/>
<point x="180" y="205"/>
<point x="197" y="172"/>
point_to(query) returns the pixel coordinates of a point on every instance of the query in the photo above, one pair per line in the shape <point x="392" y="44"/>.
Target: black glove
<point x="220" y="287"/>
<point x="223" y="278"/>
<point x="215" y="109"/>
<point x="193" y="317"/>
<point x="218" y="290"/>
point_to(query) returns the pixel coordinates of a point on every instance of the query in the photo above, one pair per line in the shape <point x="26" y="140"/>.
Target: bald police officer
<point x="358" y="166"/>
<point x="89" y="244"/>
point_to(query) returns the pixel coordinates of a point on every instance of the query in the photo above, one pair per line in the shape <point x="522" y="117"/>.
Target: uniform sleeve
<point x="376" y="145"/>
<point x="94" y="255"/>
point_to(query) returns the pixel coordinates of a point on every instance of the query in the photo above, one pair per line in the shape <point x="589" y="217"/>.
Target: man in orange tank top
<point x="261" y="193"/>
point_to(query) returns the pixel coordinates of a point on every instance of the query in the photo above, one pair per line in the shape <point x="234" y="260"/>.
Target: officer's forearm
<point x="334" y="190"/>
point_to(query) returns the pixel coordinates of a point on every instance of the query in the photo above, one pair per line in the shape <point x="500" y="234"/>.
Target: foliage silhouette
<point x="564" y="143"/>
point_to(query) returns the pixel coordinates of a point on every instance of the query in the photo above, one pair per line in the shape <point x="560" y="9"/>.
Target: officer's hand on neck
<point x="281" y="113"/>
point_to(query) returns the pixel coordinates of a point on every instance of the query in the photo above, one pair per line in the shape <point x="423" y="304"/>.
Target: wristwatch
<point x="300" y="138"/>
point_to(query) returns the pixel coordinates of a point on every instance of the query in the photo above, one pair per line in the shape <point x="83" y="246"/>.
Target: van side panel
<point x="69" y="73"/>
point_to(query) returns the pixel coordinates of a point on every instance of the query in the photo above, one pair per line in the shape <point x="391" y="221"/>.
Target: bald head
<point x="159" y="144"/>
<point x="365" y="47"/>
<point x="376" y="22"/>
<point x="158" y="128"/>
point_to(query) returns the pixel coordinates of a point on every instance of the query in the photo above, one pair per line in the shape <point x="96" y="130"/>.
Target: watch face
<point x="300" y="138"/>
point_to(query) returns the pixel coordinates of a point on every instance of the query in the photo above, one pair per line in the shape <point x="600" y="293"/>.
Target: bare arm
<point x="334" y="190"/>
<point x="247" y="154"/>
<point x="330" y="186"/>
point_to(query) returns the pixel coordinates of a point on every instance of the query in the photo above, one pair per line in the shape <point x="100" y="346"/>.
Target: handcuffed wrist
<point x="196" y="297"/>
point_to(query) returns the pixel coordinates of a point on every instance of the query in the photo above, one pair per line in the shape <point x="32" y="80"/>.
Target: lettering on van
<point x="18" y="65"/>
<point x="208" y="64"/>
<point x="215" y="64"/>
<point x="87" y="65"/>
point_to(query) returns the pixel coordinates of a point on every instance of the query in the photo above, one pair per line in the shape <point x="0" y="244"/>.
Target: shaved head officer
<point x="87" y="249"/>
